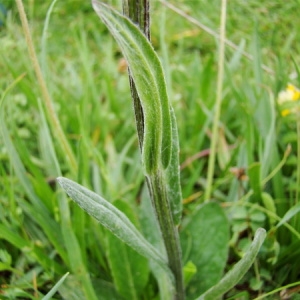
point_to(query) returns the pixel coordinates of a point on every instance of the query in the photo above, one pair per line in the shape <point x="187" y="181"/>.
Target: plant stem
<point x="157" y="188"/>
<point x="138" y="12"/>
<point x="57" y="130"/>
<point x="212" y="157"/>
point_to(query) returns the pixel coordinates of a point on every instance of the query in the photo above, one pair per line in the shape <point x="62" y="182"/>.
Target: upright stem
<point x="55" y="124"/>
<point x="157" y="188"/>
<point x="138" y="12"/>
<point x="212" y="157"/>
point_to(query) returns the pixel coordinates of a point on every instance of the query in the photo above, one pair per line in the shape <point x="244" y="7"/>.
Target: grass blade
<point x="289" y="214"/>
<point x="55" y="288"/>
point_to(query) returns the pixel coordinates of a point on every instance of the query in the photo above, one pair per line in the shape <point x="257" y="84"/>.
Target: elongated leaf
<point x="238" y="271"/>
<point x="55" y="288"/>
<point x="173" y="177"/>
<point x="204" y="241"/>
<point x="146" y="71"/>
<point x="111" y="218"/>
<point x="130" y="270"/>
<point x="289" y="214"/>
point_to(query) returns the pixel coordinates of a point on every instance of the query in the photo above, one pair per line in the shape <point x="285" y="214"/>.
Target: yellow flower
<point x="287" y="99"/>
<point x="295" y="92"/>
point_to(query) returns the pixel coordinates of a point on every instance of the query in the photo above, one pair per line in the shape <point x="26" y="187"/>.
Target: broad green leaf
<point x="289" y="214"/>
<point x="129" y="270"/>
<point x="113" y="219"/>
<point x="238" y="271"/>
<point x="146" y="71"/>
<point x="204" y="241"/>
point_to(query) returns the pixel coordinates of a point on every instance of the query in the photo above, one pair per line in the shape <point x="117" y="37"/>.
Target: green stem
<point x="138" y="12"/>
<point x="58" y="132"/>
<point x="286" y="287"/>
<point x="158" y="193"/>
<point x="212" y="157"/>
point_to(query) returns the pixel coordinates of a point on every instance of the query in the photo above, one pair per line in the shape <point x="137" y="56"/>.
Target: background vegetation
<point x="87" y="80"/>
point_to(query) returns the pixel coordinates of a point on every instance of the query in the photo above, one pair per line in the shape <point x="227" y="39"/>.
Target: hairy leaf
<point x="111" y="218"/>
<point x="146" y="71"/>
<point x="238" y="271"/>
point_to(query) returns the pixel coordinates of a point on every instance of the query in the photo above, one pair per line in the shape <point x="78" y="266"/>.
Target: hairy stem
<point x="138" y="12"/>
<point x="157" y="187"/>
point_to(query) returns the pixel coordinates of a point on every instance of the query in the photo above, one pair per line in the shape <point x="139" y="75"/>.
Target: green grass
<point x="43" y="235"/>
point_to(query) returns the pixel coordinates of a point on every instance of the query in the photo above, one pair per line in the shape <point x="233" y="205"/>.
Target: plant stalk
<point x="158" y="194"/>
<point x="138" y="12"/>
<point x="55" y="124"/>
<point x="212" y="157"/>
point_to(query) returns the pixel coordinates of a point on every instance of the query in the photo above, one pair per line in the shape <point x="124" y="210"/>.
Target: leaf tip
<point x="261" y="233"/>
<point x="96" y="4"/>
<point x="61" y="181"/>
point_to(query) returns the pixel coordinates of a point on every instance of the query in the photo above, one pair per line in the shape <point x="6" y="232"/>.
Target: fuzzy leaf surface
<point x="146" y="71"/>
<point x="160" y="146"/>
<point x="111" y="218"/>
<point x="173" y="176"/>
<point x="238" y="271"/>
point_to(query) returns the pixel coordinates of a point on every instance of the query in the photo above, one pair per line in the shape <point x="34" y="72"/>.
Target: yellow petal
<point x="285" y="112"/>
